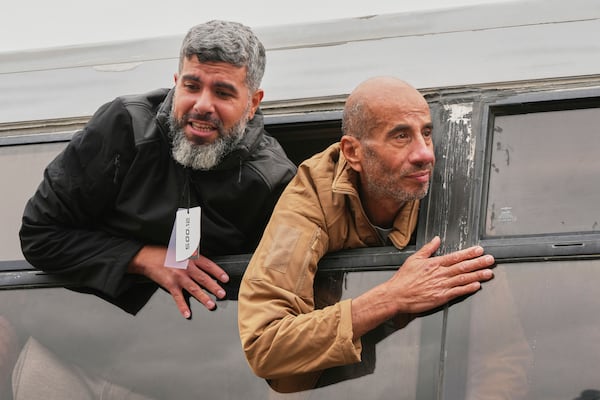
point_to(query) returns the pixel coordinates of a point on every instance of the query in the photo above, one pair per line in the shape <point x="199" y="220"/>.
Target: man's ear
<point x="255" y="102"/>
<point x="352" y="150"/>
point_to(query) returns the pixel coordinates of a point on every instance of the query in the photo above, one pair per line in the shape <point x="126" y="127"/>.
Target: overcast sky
<point x="32" y="24"/>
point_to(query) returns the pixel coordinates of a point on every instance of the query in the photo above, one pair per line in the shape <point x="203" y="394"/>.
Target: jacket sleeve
<point x="60" y="231"/>
<point x="284" y="337"/>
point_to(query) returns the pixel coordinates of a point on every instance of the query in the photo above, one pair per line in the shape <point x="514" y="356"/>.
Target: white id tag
<point x="187" y="233"/>
<point x="170" y="257"/>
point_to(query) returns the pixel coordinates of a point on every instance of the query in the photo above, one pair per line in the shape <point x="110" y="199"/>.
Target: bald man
<point x="363" y="191"/>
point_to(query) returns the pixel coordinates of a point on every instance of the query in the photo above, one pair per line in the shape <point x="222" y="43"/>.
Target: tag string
<point x="186" y="189"/>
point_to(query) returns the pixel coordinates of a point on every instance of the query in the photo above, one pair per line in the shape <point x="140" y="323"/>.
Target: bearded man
<point x="109" y="204"/>
<point x="362" y="191"/>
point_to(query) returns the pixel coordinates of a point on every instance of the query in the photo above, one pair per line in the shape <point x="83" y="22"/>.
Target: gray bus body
<point x="514" y="90"/>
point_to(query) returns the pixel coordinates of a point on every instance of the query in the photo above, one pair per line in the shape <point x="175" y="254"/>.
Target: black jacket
<point x="116" y="188"/>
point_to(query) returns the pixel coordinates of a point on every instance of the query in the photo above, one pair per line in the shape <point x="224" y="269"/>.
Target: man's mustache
<point x="206" y="117"/>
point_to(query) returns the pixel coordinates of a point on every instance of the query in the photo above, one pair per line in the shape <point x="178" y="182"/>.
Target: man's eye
<point x="224" y="95"/>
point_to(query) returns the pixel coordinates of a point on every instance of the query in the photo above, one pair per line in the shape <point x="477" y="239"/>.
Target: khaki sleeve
<point x="281" y="332"/>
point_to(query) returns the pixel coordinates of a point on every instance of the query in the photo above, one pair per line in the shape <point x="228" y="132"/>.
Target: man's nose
<point x="422" y="152"/>
<point x="204" y="103"/>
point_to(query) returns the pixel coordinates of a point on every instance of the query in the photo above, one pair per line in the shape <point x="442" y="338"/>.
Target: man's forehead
<point x="387" y="122"/>
<point x="391" y="111"/>
<point x="193" y="63"/>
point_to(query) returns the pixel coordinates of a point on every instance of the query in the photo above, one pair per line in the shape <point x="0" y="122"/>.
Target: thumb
<point x="429" y="248"/>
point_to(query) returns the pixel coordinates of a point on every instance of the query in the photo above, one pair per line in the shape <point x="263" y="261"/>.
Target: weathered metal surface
<point x="509" y="41"/>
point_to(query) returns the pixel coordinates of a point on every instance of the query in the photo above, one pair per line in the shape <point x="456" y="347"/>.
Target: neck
<point x="381" y="212"/>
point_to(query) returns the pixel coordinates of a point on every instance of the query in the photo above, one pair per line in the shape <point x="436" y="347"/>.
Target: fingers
<point x="202" y="270"/>
<point x="182" y="281"/>
<point x="466" y="269"/>
<point x="468" y="266"/>
<point x="470" y="281"/>
<point x="427" y="282"/>
<point x="461" y="255"/>
<point x="181" y="304"/>
<point x="211" y="268"/>
<point x="197" y="279"/>
<point x="472" y="264"/>
<point x="428" y="249"/>
<point x="464" y="290"/>
<point x="200" y="279"/>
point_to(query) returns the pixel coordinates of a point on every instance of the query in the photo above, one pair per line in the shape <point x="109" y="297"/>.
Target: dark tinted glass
<point x="59" y="344"/>
<point x="544" y="173"/>
<point x="531" y="333"/>
<point x="21" y="170"/>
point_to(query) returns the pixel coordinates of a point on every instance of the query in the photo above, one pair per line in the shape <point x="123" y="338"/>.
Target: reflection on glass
<point x="396" y="357"/>
<point x="77" y="346"/>
<point x="21" y="170"/>
<point x="544" y="173"/>
<point x="60" y="344"/>
<point x="533" y="334"/>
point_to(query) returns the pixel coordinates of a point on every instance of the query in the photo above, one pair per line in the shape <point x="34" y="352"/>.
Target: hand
<point x="424" y="282"/>
<point x="149" y="261"/>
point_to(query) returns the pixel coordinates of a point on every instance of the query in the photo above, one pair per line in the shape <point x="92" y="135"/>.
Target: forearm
<point x="92" y="258"/>
<point x="297" y="344"/>
<point x="370" y="310"/>
<point x="146" y="259"/>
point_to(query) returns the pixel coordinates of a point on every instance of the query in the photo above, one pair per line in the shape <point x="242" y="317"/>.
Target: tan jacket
<point x="282" y="333"/>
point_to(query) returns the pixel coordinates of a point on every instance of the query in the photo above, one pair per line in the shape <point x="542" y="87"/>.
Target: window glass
<point x="397" y="357"/>
<point x="75" y="346"/>
<point x="544" y="172"/>
<point x="303" y="140"/>
<point x="21" y="170"/>
<point x="530" y="333"/>
<point x="60" y="344"/>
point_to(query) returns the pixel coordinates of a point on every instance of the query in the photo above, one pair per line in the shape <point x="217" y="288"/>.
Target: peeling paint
<point x="457" y="154"/>
<point x="461" y="114"/>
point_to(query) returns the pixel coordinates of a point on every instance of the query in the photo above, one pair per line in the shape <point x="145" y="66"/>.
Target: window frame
<point x="542" y="246"/>
<point x="19" y="274"/>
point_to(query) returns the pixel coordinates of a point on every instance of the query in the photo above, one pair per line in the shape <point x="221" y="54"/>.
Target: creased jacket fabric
<point x="116" y="188"/>
<point x="284" y="337"/>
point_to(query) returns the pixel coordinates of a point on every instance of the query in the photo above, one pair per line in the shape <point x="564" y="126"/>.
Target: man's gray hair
<point x="229" y="42"/>
<point x="355" y="121"/>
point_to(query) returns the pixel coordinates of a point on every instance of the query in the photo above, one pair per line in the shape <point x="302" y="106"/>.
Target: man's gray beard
<point x="205" y="156"/>
<point x="384" y="185"/>
<point x="398" y="194"/>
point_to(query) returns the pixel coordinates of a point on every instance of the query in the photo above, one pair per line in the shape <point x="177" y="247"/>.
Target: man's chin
<point x="423" y="193"/>
<point x="201" y="139"/>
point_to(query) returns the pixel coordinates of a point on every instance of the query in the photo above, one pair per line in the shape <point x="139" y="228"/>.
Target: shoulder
<point x="271" y="163"/>
<point x="321" y="168"/>
<point x="314" y="178"/>
<point x="144" y="112"/>
<point x="148" y="103"/>
<point x="117" y="126"/>
<point x="118" y="113"/>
